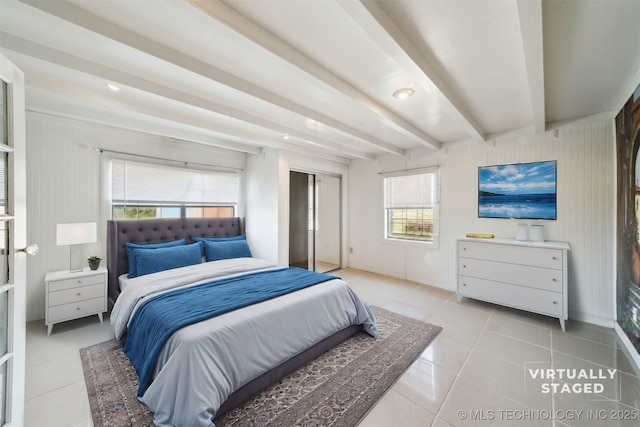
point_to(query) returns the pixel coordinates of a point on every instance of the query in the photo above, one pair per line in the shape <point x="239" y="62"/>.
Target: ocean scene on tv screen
<point x="524" y="191"/>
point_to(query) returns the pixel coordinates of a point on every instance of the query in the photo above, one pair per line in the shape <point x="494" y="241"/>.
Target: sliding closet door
<point x="314" y="221"/>
<point x="299" y="211"/>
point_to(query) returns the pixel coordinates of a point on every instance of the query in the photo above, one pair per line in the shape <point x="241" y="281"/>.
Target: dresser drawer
<point x="76" y="294"/>
<point x="522" y="275"/>
<point x="513" y="254"/>
<point x="58" y="285"/>
<point x="76" y="309"/>
<point x="539" y="301"/>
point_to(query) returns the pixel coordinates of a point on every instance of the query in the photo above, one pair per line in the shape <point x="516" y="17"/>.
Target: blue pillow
<point x="225" y="249"/>
<point x="133" y="249"/>
<point x="167" y="258"/>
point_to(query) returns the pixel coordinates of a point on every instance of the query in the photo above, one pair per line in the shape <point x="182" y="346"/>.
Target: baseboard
<point x="432" y="283"/>
<point x="594" y="320"/>
<point x="399" y="275"/>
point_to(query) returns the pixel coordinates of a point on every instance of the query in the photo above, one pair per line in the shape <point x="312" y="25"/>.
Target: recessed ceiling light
<point x="286" y="136"/>
<point x="113" y="88"/>
<point x="403" y="93"/>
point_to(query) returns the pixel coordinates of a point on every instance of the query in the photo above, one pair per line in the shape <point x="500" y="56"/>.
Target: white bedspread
<point x="202" y="364"/>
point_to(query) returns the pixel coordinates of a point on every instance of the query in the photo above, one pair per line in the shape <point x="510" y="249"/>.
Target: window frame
<point x="183" y="207"/>
<point x="434" y="241"/>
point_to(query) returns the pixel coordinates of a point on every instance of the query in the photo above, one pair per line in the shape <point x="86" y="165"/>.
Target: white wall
<point x="64" y="185"/>
<point x="262" y="204"/>
<point x="585" y="156"/>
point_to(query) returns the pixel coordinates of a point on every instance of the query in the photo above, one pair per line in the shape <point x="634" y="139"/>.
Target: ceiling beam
<point x="164" y="128"/>
<point x="426" y="75"/>
<point x="56" y="108"/>
<point x="530" y="18"/>
<point x="274" y="44"/>
<point x="116" y="76"/>
<point x="93" y="23"/>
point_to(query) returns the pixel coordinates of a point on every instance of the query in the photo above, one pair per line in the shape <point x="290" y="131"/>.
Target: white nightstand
<point x="73" y="295"/>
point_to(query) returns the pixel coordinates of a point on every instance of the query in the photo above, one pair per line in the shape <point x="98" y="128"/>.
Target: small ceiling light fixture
<point x="113" y="88"/>
<point x="286" y="136"/>
<point x="403" y="93"/>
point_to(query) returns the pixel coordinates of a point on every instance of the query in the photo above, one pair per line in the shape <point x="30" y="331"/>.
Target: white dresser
<point x="74" y="295"/>
<point x="530" y="276"/>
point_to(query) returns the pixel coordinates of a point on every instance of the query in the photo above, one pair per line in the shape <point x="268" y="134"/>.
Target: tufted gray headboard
<point x="157" y="231"/>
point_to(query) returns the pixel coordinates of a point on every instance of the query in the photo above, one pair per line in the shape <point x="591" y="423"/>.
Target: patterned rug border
<point x="342" y="385"/>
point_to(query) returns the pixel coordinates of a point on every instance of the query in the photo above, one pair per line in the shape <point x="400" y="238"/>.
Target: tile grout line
<point x="453" y="383"/>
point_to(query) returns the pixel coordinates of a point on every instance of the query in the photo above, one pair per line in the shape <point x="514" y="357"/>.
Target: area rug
<point x="338" y="388"/>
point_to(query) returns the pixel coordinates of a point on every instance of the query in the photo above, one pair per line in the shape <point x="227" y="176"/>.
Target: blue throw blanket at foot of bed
<point x="158" y="317"/>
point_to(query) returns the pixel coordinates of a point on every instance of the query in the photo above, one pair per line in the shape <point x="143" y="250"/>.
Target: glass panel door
<point x="12" y="234"/>
<point x="6" y="356"/>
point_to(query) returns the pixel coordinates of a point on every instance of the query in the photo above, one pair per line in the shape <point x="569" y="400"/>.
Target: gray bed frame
<point x="165" y="230"/>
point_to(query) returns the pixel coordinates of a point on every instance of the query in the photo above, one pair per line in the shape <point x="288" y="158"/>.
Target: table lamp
<point x="76" y="234"/>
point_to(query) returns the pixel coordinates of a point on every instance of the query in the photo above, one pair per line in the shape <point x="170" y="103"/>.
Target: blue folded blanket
<point x="158" y="317"/>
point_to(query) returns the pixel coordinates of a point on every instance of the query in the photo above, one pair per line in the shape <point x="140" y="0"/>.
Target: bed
<point x="203" y="369"/>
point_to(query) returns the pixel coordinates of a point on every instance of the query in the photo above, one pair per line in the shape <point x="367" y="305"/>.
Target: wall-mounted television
<point x="519" y="190"/>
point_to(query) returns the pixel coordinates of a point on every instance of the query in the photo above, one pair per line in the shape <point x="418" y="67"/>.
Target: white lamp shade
<point x="76" y="233"/>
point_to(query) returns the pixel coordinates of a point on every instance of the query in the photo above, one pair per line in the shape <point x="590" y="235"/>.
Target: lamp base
<point x="76" y="263"/>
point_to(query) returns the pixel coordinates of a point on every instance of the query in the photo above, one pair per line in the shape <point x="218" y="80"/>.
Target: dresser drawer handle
<point x="554" y="280"/>
<point x="555" y="302"/>
<point x="554" y="258"/>
<point x="78" y="294"/>
<point x="464" y="266"/>
<point x="464" y="284"/>
<point x="78" y="308"/>
<point x="79" y="282"/>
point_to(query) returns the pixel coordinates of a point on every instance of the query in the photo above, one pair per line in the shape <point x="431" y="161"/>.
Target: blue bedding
<point x="158" y="317"/>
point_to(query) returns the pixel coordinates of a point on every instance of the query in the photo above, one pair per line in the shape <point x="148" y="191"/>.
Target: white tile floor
<point x="478" y="367"/>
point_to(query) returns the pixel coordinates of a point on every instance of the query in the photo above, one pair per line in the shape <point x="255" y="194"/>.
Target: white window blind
<point x="411" y="191"/>
<point x="411" y="203"/>
<point x="142" y="183"/>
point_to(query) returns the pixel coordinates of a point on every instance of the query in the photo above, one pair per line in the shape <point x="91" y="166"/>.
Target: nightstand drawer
<point x="76" y="309"/>
<point x="76" y="294"/>
<point x="59" y="285"/>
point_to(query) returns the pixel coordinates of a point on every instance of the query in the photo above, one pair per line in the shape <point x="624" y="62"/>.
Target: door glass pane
<point x="3" y="393"/>
<point x="4" y="253"/>
<point x="4" y="160"/>
<point x="3" y="114"/>
<point x="4" y="321"/>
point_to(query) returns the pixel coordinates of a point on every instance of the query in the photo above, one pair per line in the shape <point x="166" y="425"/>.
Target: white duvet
<point x="202" y="364"/>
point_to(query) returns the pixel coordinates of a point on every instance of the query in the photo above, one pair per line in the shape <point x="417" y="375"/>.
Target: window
<point x="142" y="190"/>
<point x="411" y="206"/>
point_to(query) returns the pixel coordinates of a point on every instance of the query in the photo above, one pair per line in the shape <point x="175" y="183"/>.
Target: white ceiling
<point x="316" y="76"/>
